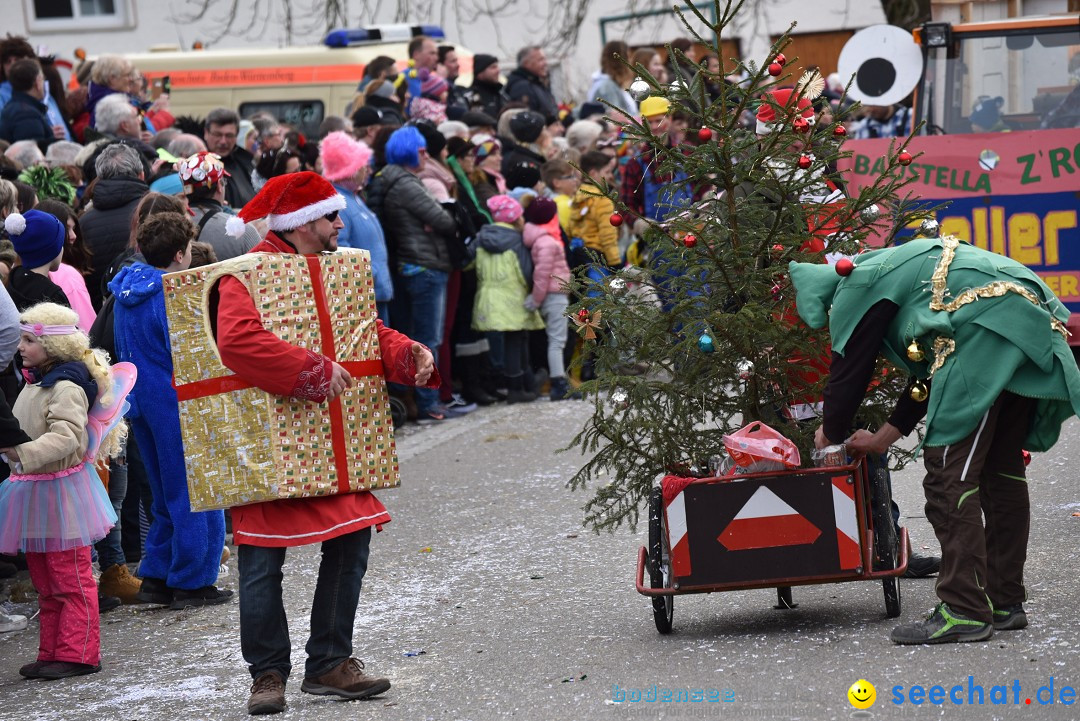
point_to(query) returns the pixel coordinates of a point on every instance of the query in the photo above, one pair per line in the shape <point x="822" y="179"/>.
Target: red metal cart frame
<point x="775" y="529"/>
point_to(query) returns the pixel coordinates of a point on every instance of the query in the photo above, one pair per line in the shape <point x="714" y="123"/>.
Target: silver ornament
<point x="617" y="285"/>
<point x="745" y="369"/>
<point x="619" y="397"/>
<point x="639" y="90"/>
<point x="870" y="213"/>
<point x="929" y="228"/>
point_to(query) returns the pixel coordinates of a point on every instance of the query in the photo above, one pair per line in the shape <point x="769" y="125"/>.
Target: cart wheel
<point x="398" y="412"/>
<point x="886" y="543"/>
<point x="783" y="599"/>
<point x="659" y="562"/>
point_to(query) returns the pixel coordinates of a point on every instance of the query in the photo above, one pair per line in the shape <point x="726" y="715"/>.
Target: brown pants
<point x="982" y="476"/>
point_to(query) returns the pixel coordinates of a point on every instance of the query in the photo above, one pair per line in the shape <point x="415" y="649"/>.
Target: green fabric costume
<point x="985" y="322"/>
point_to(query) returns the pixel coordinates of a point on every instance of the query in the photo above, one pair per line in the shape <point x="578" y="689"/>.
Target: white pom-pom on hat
<point x="15" y="224"/>
<point x="234" y="226"/>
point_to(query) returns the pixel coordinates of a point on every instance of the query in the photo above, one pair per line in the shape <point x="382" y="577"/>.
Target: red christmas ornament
<point x="583" y="315"/>
<point x="844" y="267"/>
<point x="904" y="158"/>
<point x="805" y="162"/>
<point x="690" y="241"/>
<point x="839" y="131"/>
<point x="615" y="219"/>
<point x="801" y="125"/>
<point x="775" y="69"/>
<point x="777" y="250"/>
<point x="704" y="135"/>
<point x="780" y="59"/>
<point x="1027" y="457"/>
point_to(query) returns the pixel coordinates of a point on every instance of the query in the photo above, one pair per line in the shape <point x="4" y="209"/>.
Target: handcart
<point x="776" y="529"/>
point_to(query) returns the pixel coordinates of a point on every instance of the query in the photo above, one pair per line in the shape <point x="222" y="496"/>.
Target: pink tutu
<point x="45" y="512"/>
<point x="54" y="512"/>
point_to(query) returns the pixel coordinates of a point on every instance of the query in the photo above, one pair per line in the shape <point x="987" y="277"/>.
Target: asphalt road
<point x="486" y="599"/>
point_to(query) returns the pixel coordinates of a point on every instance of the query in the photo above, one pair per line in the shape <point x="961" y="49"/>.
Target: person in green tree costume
<point x="984" y="340"/>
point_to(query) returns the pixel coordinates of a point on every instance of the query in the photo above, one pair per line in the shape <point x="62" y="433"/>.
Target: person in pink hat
<point x="347" y="165"/>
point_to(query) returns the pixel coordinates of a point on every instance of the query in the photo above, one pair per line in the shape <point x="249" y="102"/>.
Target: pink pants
<point x="67" y="596"/>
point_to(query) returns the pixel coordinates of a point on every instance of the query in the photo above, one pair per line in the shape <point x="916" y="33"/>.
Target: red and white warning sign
<point x="766" y="521"/>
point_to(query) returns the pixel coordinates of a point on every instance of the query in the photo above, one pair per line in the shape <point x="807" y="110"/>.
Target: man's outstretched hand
<point x="425" y="364"/>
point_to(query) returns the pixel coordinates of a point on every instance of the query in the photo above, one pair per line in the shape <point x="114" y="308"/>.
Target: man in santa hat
<point x="301" y="210"/>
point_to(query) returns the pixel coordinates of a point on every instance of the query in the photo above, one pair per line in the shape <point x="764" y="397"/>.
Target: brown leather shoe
<point x="267" y="694"/>
<point x="346" y="680"/>
<point x="118" y="581"/>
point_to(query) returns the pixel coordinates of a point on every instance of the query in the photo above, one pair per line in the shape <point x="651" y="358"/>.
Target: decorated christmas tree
<point x="710" y="312"/>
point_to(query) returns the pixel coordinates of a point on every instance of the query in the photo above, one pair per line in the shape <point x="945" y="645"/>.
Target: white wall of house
<point x="136" y="25"/>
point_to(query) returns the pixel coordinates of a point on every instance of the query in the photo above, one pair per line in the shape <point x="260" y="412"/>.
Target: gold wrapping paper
<point x="244" y="445"/>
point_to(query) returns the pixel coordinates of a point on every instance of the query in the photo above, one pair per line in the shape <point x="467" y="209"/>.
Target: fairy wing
<point x="102" y="418"/>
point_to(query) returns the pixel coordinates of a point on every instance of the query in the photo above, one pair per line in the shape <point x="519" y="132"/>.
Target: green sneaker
<point x="1010" y="618"/>
<point x="942" y="626"/>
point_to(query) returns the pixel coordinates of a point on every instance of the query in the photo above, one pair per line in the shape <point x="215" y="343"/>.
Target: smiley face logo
<point x="862" y="694"/>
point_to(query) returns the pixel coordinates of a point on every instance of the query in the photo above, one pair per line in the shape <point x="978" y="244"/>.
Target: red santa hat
<point x="287" y="202"/>
<point x="766" y="114"/>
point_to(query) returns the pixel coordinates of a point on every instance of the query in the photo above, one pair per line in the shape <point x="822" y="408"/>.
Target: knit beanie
<point x="527" y="126"/>
<point x="38" y="237"/>
<point x="541" y="211"/>
<point x="504" y="208"/>
<point x="435" y="140"/>
<point x="482" y="62"/>
<point x="433" y="87"/>
<point x="342" y="155"/>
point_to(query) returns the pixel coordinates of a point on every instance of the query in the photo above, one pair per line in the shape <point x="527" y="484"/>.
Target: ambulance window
<point x="304" y="115"/>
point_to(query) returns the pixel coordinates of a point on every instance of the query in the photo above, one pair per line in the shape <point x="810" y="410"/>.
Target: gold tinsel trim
<point x="943" y="348"/>
<point x="994" y="289"/>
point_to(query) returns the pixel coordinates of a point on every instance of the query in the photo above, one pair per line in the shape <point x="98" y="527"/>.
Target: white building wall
<point x="153" y="22"/>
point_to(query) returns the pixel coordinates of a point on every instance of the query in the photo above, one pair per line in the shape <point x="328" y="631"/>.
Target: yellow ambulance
<point x="298" y="85"/>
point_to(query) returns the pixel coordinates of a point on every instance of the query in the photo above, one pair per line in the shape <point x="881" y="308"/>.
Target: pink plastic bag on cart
<point x="757" y="448"/>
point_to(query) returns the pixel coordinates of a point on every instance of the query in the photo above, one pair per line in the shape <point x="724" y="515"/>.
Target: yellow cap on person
<point x="654" y="105"/>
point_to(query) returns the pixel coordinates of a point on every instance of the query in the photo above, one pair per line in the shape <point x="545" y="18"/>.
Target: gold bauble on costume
<point x="919" y="392"/>
<point x="914" y="352"/>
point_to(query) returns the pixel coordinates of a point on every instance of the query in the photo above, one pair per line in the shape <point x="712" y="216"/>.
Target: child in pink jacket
<point x="550" y="275"/>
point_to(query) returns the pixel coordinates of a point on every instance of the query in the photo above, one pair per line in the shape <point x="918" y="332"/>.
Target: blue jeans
<point x="426" y="293"/>
<point x="110" y="552"/>
<point x="264" y="629"/>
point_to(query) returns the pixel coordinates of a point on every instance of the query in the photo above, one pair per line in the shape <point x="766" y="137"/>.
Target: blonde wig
<point x="76" y="347"/>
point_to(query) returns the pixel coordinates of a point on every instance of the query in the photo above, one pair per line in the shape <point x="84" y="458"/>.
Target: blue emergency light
<point x="344" y="37"/>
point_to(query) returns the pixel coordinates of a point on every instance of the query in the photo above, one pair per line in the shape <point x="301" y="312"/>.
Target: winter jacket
<point x="414" y="222"/>
<point x="522" y="154"/>
<point x="213" y="231"/>
<point x="604" y="88"/>
<point x="25" y="117"/>
<point x="106" y="226"/>
<point x="55" y="116"/>
<point x="28" y="288"/>
<point x="590" y="220"/>
<point x="239" y="190"/>
<point x="363" y="231"/>
<point x="502" y="265"/>
<point x="486" y="97"/>
<point x="142" y="337"/>
<point x="53" y="411"/>
<point x="525" y="86"/>
<point x="550" y="269"/>
<point x="72" y="283"/>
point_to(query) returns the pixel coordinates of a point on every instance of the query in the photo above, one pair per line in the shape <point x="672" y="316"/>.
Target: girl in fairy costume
<point x="54" y="505"/>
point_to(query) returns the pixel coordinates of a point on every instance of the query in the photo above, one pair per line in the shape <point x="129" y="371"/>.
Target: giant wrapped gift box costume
<point x="244" y="445"/>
